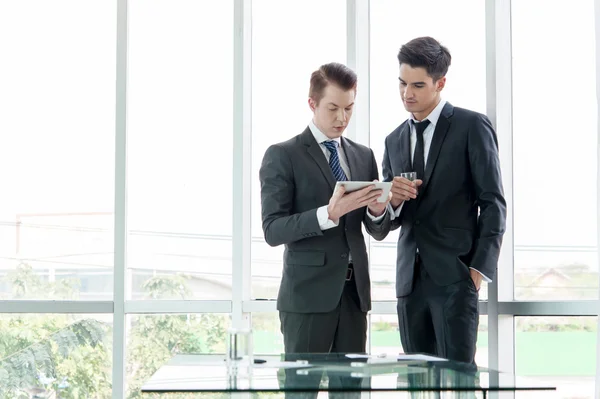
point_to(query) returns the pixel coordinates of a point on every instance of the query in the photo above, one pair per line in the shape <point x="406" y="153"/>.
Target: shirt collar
<point x="319" y="135"/>
<point x="433" y="115"/>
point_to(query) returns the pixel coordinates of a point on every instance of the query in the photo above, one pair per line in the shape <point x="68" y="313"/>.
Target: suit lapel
<point x="352" y="158"/>
<point x="314" y="150"/>
<point x="441" y="129"/>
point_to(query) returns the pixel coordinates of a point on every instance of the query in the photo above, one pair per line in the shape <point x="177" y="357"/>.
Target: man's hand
<point x="403" y="190"/>
<point x="476" y="277"/>
<point x="378" y="208"/>
<point x="342" y="203"/>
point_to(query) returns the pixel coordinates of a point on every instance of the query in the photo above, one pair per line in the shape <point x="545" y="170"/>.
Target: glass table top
<point x="328" y="372"/>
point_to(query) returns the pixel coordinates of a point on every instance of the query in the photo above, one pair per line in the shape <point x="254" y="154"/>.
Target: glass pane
<point x="557" y="351"/>
<point x="55" y="356"/>
<point x="276" y="118"/>
<point x="179" y="135"/>
<point x="481" y="354"/>
<point x="385" y="337"/>
<point x="392" y="26"/>
<point x="153" y="340"/>
<point x="57" y="146"/>
<point x="266" y="330"/>
<point x="555" y="256"/>
<point x="384" y="334"/>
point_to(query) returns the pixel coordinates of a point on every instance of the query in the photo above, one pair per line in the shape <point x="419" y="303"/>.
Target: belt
<point x="349" y="272"/>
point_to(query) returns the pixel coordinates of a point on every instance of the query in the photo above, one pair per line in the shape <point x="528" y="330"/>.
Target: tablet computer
<point x="357" y="185"/>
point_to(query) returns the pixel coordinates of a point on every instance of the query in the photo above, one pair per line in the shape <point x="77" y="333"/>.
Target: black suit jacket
<point x="459" y="216"/>
<point x="296" y="180"/>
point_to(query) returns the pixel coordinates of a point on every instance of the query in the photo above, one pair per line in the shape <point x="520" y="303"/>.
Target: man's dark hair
<point x="332" y="73"/>
<point x="428" y="53"/>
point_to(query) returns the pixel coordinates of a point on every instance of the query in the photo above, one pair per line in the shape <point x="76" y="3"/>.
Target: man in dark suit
<point x="324" y="295"/>
<point x="452" y="216"/>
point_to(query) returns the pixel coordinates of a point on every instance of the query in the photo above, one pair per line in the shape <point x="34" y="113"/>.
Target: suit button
<point x="417" y="222"/>
<point x="343" y="256"/>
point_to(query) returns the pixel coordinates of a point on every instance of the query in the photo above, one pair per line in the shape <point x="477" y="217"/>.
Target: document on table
<point x="281" y="365"/>
<point x="403" y="356"/>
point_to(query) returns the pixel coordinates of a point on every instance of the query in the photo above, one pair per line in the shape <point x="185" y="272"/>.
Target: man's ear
<point x="312" y="104"/>
<point x="440" y="84"/>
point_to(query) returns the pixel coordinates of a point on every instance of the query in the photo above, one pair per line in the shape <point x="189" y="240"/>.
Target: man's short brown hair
<point x="332" y="73"/>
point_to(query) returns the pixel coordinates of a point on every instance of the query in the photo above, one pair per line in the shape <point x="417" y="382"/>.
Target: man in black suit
<point x="452" y="216"/>
<point x="325" y="292"/>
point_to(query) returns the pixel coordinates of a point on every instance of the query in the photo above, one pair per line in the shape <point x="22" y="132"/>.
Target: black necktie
<point x="419" y="158"/>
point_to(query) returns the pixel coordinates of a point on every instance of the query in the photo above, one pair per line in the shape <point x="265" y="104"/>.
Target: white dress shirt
<point x="433" y="118"/>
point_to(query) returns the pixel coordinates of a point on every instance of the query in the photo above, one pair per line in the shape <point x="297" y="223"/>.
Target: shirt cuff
<point x="394" y="213"/>
<point x="485" y="278"/>
<point x="323" y="218"/>
<point x="376" y="218"/>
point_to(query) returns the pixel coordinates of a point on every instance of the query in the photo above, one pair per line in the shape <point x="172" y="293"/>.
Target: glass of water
<point x="412" y="176"/>
<point x="239" y="347"/>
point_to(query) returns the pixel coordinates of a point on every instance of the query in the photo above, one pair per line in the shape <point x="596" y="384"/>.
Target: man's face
<point x="332" y="114"/>
<point x="419" y="93"/>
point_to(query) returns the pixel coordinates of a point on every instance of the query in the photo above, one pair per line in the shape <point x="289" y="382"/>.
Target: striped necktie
<point x="334" y="160"/>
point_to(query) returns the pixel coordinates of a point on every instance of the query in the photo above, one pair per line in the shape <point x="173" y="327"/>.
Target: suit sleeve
<point x="487" y="181"/>
<point x="388" y="176"/>
<point x="377" y="229"/>
<point x="280" y="225"/>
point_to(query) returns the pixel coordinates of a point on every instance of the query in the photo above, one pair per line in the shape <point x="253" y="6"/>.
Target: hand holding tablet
<point x="350" y="195"/>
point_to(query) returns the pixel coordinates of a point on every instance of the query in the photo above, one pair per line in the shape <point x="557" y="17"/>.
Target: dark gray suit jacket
<point x="462" y="178"/>
<point x="295" y="181"/>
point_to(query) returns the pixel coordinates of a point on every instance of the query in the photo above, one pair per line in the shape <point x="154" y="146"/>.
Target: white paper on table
<point x="425" y="358"/>
<point x="420" y="357"/>
<point x="357" y="356"/>
<point x="280" y="365"/>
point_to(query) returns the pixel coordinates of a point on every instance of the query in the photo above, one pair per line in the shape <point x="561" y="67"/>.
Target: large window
<point x="554" y="141"/>
<point x="94" y="93"/>
<point x="57" y="147"/>
<point x="180" y="146"/>
<point x="285" y="50"/>
<point x="394" y="23"/>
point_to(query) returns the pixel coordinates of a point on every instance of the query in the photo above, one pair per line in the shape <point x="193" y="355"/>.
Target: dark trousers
<point x="439" y="320"/>
<point x="342" y="330"/>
